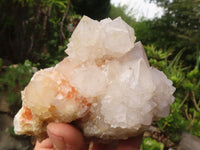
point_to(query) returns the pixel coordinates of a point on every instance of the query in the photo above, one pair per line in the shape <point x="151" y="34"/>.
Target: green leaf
<point x="150" y="144"/>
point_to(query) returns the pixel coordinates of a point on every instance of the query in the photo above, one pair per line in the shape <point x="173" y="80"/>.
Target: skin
<point x="67" y="137"/>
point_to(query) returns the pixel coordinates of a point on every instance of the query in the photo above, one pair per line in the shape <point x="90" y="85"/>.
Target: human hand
<point x="67" y="137"/>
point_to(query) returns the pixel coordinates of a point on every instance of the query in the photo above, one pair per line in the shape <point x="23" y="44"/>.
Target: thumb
<point x="65" y="137"/>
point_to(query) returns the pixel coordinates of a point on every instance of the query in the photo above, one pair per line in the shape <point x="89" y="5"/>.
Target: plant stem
<point x="194" y="101"/>
<point x="187" y="115"/>
<point x="193" y="118"/>
<point x="62" y="35"/>
<point x="187" y="94"/>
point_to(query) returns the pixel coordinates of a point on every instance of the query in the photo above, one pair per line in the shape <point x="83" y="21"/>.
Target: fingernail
<point x="58" y="141"/>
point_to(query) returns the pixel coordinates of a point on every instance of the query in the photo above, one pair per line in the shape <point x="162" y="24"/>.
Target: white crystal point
<point x="17" y="124"/>
<point x="84" y="40"/>
<point x="93" y="40"/>
<point x="129" y="94"/>
<point x="163" y="94"/>
<point x="136" y="53"/>
<point x="105" y="84"/>
<point x="117" y="37"/>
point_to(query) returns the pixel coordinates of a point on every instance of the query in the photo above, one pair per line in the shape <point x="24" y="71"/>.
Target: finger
<point x="44" y="145"/>
<point x="130" y="144"/>
<point x="65" y="136"/>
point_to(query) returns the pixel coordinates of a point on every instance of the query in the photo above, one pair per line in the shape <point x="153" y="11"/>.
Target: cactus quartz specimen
<point x="105" y="85"/>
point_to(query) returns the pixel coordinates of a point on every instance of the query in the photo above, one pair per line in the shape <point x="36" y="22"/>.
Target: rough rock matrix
<point x="106" y="83"/>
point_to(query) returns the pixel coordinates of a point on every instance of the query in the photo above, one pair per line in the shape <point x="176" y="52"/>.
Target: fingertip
<point x="45" y="144"/>
<point x="66" y="135"/>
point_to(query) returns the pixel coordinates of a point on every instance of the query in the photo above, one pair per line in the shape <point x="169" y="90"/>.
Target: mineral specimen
<point x="106" y="83"/>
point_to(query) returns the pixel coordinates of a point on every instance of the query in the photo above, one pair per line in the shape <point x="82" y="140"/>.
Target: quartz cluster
<point x="105" y="84"/>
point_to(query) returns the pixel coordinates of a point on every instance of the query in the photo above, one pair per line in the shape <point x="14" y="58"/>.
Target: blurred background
<point x="35" y="33"/>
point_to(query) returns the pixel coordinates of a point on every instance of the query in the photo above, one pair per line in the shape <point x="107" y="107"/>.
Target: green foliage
<point x="1" y="63"/>
<point x="150" y="144"/>
<point x="11" y="131"/>
<point x="178" y="28"/>
<point x="30" y="29"/>
<point x="95" y="9"/>
<point x="175" y="123"/>
<point x="60" y="4"/>
<point x="121" y="11"/>
<point x="13" y="79"/>
<point x="157" y="54"/>
<point x="53" y="55"/>
<point x="185" y="110"/>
